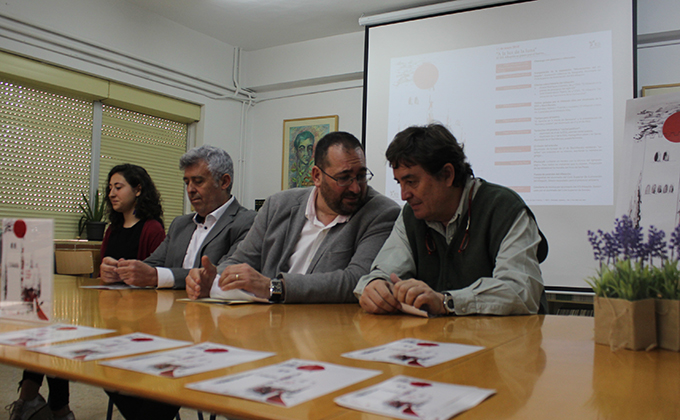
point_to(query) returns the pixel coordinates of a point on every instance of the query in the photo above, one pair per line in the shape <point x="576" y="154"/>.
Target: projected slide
<point x="536" y="116"/>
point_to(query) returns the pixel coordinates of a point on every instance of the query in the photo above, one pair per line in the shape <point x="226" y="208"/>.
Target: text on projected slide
<point x="536" y="116"/>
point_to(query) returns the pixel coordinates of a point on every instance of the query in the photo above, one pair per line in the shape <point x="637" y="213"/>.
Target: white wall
<point x="331" y="59"/>
<point x="123" y="27"/>
<point x="666" y="69"/>
<point x="307" y="79"/>
<point x="658" y="16"/>
<point x="327" y="59"/>
<point x="118" y="41"/>
<point x="313" y="78"/>
<point x="659" y="46"/>
<point x="265" y="137"/>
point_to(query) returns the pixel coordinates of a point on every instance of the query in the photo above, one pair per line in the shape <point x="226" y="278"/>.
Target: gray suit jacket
<point x="227" y="233"/>
<point x="344" y="255"/>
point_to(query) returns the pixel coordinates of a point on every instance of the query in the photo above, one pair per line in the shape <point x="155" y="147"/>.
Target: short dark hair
<point x="219" y="162"/>
<point x="343" y="138"/>
<point x="430" y="146"/>
<point x="148" y="204"/>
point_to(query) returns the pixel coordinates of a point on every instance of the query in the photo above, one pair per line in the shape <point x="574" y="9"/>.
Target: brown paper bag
<point x="668" y="324"/>
<point x="625" y="324"/>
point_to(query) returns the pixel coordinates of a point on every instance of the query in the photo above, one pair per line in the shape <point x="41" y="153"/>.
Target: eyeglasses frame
<point x="369" y="176"/>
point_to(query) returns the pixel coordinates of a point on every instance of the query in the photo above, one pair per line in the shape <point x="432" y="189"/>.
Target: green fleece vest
<point x="441" y="265"/>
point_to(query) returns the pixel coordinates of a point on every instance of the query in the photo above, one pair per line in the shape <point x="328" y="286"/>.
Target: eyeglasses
<point x="346" y="181"/>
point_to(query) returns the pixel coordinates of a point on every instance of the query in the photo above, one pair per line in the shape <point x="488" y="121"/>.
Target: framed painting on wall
<point x="299" y="139"/>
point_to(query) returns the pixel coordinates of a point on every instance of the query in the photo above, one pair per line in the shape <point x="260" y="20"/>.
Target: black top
<point x="124" y="242"/>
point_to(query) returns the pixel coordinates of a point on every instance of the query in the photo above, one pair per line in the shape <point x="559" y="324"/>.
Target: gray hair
<point x="219" y="162"/>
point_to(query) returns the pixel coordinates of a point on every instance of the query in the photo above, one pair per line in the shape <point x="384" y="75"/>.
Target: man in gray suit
<point x="214" y="231"/>
<point x="309" y="244"/>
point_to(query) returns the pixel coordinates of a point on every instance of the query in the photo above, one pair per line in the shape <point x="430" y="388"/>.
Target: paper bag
<point x="668" y="324"/>
<point x="625" y="324"/>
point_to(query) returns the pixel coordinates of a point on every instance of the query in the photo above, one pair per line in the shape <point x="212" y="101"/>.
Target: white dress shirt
<point x="311" y="236"/>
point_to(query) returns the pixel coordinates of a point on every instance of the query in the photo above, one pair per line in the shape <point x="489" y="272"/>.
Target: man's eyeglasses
<point x="346" y="181"/>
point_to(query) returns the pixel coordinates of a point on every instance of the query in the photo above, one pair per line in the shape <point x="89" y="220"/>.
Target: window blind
<point x="154" y="143"/>
<point x="45" y="141"/>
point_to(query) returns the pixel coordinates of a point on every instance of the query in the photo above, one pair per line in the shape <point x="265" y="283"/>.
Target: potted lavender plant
<point x="666" y="285"/>
<point x="624" y="304"/>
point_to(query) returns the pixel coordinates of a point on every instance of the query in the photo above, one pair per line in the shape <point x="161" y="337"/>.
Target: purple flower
<point x="675" y="242"/>
<point x="626" y="242"/>
<point x="656" y="245"/>
<point x="629" y="238"/>
<point x="611" y="246"/>
<point x="596" y="243"/>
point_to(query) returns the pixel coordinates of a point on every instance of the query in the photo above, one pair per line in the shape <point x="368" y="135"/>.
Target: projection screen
<point x="536" y="92"/>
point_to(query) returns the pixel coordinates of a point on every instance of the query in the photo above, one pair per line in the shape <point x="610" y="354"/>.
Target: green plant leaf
<point x="92" y="212"/>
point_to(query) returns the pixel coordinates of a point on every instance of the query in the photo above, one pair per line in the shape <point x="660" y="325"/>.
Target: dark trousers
<point x="135" y="408"/>
<point x="59" y="393"/>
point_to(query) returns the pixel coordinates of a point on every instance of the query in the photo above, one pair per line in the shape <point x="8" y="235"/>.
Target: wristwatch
<point x="448" y="304"/>
<point x="276" y="290"/>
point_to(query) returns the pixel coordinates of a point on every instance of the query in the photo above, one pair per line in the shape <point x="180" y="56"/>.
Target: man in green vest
<point x="461" y="245"/>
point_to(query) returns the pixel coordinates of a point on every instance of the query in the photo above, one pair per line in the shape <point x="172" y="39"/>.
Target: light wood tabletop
<point x="541" y="366"/>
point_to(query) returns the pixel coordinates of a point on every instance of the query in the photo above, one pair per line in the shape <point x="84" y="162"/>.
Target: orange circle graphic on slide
<point x="671" y="128"/>
<point x="426" y="75"/>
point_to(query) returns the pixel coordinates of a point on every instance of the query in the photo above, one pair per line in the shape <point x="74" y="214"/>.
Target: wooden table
<point x="543" y="367"/>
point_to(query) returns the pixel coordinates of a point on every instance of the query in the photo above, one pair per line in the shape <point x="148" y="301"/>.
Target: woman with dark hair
<point x="135" y="211"/>
<point x="136" y="230"/>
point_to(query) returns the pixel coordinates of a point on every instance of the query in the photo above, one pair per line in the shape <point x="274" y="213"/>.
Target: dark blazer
<point x="229" y="230"/>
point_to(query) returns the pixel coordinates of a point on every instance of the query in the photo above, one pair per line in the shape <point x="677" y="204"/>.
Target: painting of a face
<point x="299" y="143"/>
<point x="305" y="151"/>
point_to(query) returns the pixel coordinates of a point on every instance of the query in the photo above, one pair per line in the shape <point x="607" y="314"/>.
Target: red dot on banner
<point x="67" y="328"/>
<point x="311" y="367"/>
<point x="276" y="399"/>
<point x="20" y="228"/>
<point x="671" y="128"/>
<point x="420" y="384"/>
<point x="215" y="350"/>
<point x="142" y="339"/>
<point x="409" y="410"/>
<point x="428" y="344"/>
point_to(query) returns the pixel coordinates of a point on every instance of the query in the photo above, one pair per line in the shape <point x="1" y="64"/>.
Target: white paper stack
<point x="411" y="398"/>
<point x="187" y="361"/>
<point x="48" y="335"/>
<point x="414" y="352"/>
<point x="104" y="348"/>
<point x="286" y="384"/>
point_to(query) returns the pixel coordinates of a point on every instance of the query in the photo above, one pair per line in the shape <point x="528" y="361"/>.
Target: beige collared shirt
<point x="450" y="229"/>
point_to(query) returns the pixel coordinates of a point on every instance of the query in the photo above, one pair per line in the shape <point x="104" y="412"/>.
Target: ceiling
<point x="257" y="24"/>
